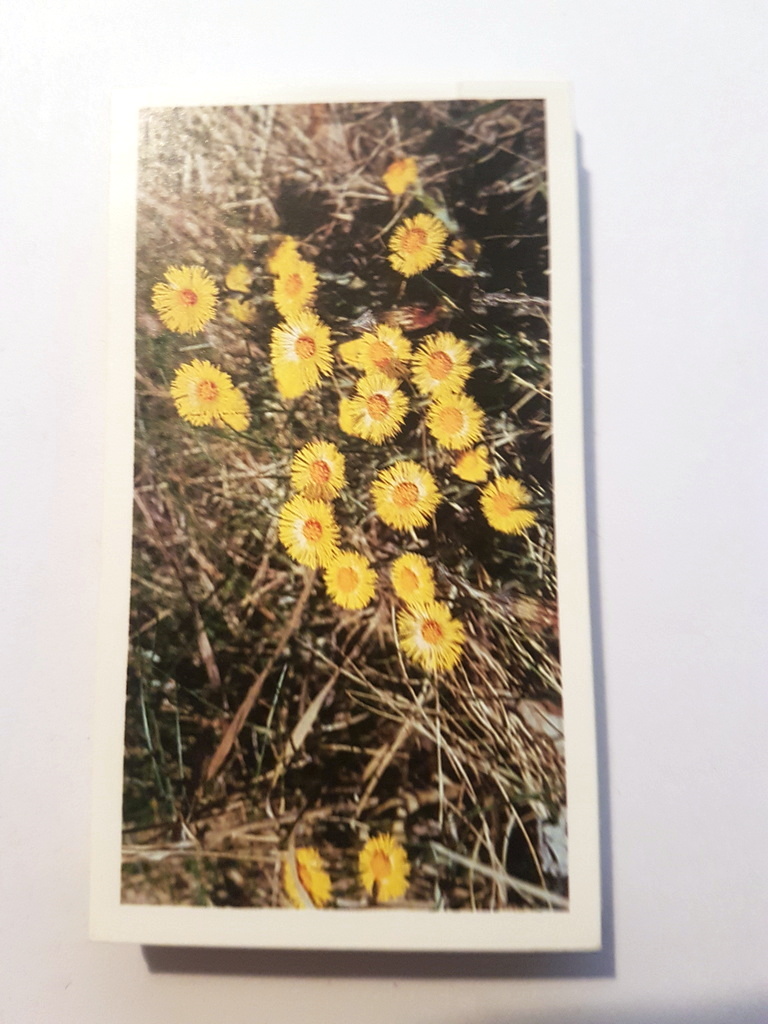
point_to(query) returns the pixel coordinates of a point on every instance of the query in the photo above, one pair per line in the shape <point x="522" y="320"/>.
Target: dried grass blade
<point x="525" y="889"/>
<point x="237" y="723"/>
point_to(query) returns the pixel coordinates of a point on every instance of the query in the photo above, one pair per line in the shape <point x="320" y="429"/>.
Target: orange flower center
<point x="381" y="866"/>
<point x="504" y="504"/>
<point x="188" y="297"/>
<point x="413" y="240"/>
<point x="377" y="406"/>
<point x="409" y="580"/>
<point x="381" y="354"/>
<point x="292" y="285"/>
<point x="347" y="578"/>
<point x="320" y="472"/>
<point x="405" y="494"/>
<point x="207" y="390"/>
<point x="313" y="530"/>
<point x="432" y="631"/>
<point x="305" y="347"/>
<point x="451" y="420"/>
<point x="439" y="365"/>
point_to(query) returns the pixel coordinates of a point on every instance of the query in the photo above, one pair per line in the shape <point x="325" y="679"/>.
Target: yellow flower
<point x="385" y="350"/>
<point x="412" y="579"/>
<point x="238" y="415"/>
<point x="317" y="470"/>
<point x="239" y="278"/>
<point x="245" y="312"/>
<point x="473" y="466"/>
<point x="347" y="417"/>
<point x="187" y="301"/>
<point x="205" y="396"/>
<point x="301" y="351"/>
<point x="384" y="868"/>
<point x="440" y="364"/>
<point x="416" y="244"/>
<point x="502" y="502"/>
<point x="295" y="288"/>
<point x="351" y="352"/>
<point x="430" y="637"/>
<point x="405" y="495"/>
<point x="465" y="249"/>
<point x="467" y="252"/>
<point x="312" y="877"/>
<point x="400" y="174"/>
<point x="350" y="580"/>
<point x="308" y="531"/>
<point x="284" y="256"/>
<point x="455" y="421"/>
<point x="378" y="408"/>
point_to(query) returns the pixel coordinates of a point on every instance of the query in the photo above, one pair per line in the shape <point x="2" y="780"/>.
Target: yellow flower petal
<point x="312" y="877"/>
<point x="239" y="278"/>
<point x="400" y="174"/>
<point x="473" y="466"/>
<point x="244" y="312"/>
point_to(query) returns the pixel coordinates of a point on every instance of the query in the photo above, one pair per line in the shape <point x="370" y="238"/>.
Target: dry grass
<point x="338" y="736"/>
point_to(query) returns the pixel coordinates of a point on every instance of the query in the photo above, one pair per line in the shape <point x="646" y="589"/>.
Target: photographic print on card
<point x="344" y="686"/>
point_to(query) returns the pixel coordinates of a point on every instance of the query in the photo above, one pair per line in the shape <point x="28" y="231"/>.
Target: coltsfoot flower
<point x="384" y="868"/>
<point x="503" y="501"/>
<point x="400" y="175"/>
<point x="301" y="352"/>
<point x="412" y="579"/>
<point x="405" y="495"/>
<point x="473" y="466"/>
<point x="441" y="364"/>
<point x="243" y="311"/>
<point x="430" y="637"/>
<point x="350" y="580"/>
<point x="455" y="421"/>
<point x="204" y="395"/>
<point x="417" y="244"/>
<point x="378" y="408"/>
<point x="239" y="278"/>
<point x="284" y="256"/>
<point x="385" y="350"/>
<point x="317" y="470"/>
<point x="186" y="300"/>
<point x="309" y="531"/>
<point x="294" y="288"/>
<point x="311" y="876"/>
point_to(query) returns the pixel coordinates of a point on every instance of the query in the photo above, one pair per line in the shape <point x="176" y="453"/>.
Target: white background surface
<point x="669" y="103"/>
